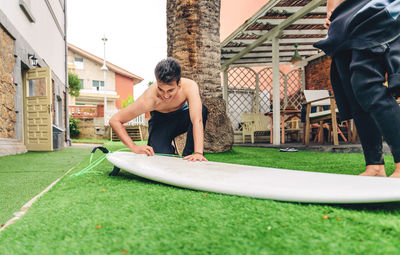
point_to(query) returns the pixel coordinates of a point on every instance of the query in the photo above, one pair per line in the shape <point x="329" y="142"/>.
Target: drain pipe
<point x="67" y="136"/>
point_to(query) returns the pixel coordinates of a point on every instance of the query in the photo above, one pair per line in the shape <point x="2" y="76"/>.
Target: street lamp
<point x="104" y="69"/>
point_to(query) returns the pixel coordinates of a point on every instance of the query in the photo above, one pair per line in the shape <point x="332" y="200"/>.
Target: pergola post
<point x="225" y="87"/>
<point x="276" y="91"/>
<point x="257" y="96"/>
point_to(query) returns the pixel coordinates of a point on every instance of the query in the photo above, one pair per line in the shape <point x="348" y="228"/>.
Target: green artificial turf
<point x="97" y="214"/>
<point x="24" y="176"/>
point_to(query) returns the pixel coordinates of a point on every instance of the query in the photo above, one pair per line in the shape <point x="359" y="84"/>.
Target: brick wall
<point x="8" y="117"/>
<point x="317" y="74"/>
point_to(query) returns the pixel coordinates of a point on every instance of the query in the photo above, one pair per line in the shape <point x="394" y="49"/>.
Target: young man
<point x="364" y="43"/>
<point x="175" y="107"/>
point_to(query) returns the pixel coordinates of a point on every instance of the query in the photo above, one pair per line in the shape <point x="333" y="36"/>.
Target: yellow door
<point x="37" y="114"/>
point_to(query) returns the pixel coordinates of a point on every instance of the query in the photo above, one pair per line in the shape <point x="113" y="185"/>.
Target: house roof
<point x="100" y="61"/>
<point x="292" y="21"/>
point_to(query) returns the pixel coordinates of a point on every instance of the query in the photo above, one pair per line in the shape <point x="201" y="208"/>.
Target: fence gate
<point x="249" y="91"/>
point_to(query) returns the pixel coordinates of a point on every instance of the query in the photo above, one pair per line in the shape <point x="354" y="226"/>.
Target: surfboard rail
<point x="260" y="182"/>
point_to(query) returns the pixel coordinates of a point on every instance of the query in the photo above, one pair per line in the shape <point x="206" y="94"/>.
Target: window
<point x="37" y="87"/>
<point x="98" y="85"/>
<point x="81" y="83"/>
<point x="78" y="62"/>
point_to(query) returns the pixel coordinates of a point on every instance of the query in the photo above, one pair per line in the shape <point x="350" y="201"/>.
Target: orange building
<point x="117" y="87"/>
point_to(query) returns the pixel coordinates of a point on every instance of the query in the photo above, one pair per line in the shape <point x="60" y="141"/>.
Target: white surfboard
<point x="260" y="182"/>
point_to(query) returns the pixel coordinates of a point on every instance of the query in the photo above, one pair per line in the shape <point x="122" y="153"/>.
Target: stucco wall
<point x="8" y="116"/>
<point x="124" y="88"/>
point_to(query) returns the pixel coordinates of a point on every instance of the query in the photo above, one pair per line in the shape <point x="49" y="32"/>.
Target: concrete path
<point x="84" y="145"/>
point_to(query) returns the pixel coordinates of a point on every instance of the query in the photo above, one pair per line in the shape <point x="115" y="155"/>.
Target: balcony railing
<point x="86" y="111"/>
<point x="139" y="120"/>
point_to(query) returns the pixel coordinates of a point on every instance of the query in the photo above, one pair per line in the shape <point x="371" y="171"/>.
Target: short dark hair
<point x="168" y="70"/>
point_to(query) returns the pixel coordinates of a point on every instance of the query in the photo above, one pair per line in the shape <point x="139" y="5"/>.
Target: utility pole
<point x="104" y="69"/>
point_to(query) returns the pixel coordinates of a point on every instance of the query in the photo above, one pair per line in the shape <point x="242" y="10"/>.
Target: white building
<point x="33" y="96"/>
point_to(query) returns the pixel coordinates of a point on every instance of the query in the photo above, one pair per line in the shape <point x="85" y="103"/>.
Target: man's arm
<point x="196" y="117"/>
<point x="330" y="6"/>
<point x="141" y="105"/>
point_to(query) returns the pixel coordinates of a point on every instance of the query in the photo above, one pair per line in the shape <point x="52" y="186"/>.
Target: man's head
<point x="168" y="75"/>
<point x="168" y="70"/>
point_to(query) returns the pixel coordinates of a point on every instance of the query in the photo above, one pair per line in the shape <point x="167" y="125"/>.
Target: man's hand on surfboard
<point x="143" y="149"/>
<point x="195" y="157"/>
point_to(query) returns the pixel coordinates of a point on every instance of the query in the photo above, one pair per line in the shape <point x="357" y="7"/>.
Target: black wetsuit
<point x="164" y="127"/>
<point x="364" y="43"/>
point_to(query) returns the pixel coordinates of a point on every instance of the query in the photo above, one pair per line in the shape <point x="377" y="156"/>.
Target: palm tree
<point x="193" y="39"/>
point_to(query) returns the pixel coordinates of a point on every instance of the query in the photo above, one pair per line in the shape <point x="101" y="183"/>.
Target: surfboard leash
<point x="96" y="162"/>
<point x="106" y="152"/>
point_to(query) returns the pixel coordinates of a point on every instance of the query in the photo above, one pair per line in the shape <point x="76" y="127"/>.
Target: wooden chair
<point x="320" y="98"/>
<point x="292" y="125"/>
<point x="254" y="124"/>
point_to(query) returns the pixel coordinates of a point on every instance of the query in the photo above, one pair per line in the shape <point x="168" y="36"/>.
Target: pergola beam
<point x="288" y="32"/>
<point x="261" y="60"/>
<point x="275" y="31"/>
<point x="269" y="54"/>
<point x="293" y="9"/>
<point x="268" y="48"/>
<point x="285" y="40"/>
<point x="297" y="22"/>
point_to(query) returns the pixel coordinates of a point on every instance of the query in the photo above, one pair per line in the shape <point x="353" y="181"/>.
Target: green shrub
<point x="75" y="85"/>
<point x="73" y="127"/>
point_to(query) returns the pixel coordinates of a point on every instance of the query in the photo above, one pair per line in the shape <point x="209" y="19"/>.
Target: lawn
<point x="24" y="176"/>
<point x="97" y="214"/>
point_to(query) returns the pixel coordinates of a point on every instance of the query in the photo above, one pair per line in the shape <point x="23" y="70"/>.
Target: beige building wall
<point x="91" y="71"/>
<point x="46" y="34"/>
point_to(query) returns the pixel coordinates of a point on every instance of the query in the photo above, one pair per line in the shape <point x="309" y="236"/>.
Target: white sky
<point x="136" y="32"/>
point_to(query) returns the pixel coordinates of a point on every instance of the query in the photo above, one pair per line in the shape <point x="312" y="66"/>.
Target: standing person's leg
<point x="368" y="75"/>
<point x="189" y="147"/>
<point x="393" y="64"/>
<point x="368" y="132"/>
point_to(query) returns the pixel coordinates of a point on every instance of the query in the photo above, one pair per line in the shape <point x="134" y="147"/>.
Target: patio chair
<point x="255" y="124"/>
<point x="319" y="99"/>
<point x="292" y="126"/>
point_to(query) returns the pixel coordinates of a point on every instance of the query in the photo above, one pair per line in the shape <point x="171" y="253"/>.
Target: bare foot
<point x="396" y="173"/>
<point x="375" y="170"/>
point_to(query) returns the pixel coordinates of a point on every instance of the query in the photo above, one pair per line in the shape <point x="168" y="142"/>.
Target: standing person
<point x="364" y="43"/>
<point x="175" y="107"/>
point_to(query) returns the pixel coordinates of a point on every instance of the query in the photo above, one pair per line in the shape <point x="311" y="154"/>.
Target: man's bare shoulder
<point x="189" y="82"/>
<point x="149" y="97"/>
<point x="188" y="85"/>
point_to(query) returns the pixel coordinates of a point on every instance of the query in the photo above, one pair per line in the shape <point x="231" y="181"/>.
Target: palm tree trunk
<point x="193" y="39"/>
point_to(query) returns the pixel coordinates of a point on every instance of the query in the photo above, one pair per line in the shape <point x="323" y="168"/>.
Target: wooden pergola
<point x="269" y="38"/>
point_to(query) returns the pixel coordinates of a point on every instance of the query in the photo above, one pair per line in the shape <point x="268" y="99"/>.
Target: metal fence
<point x="251" y="91"/>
